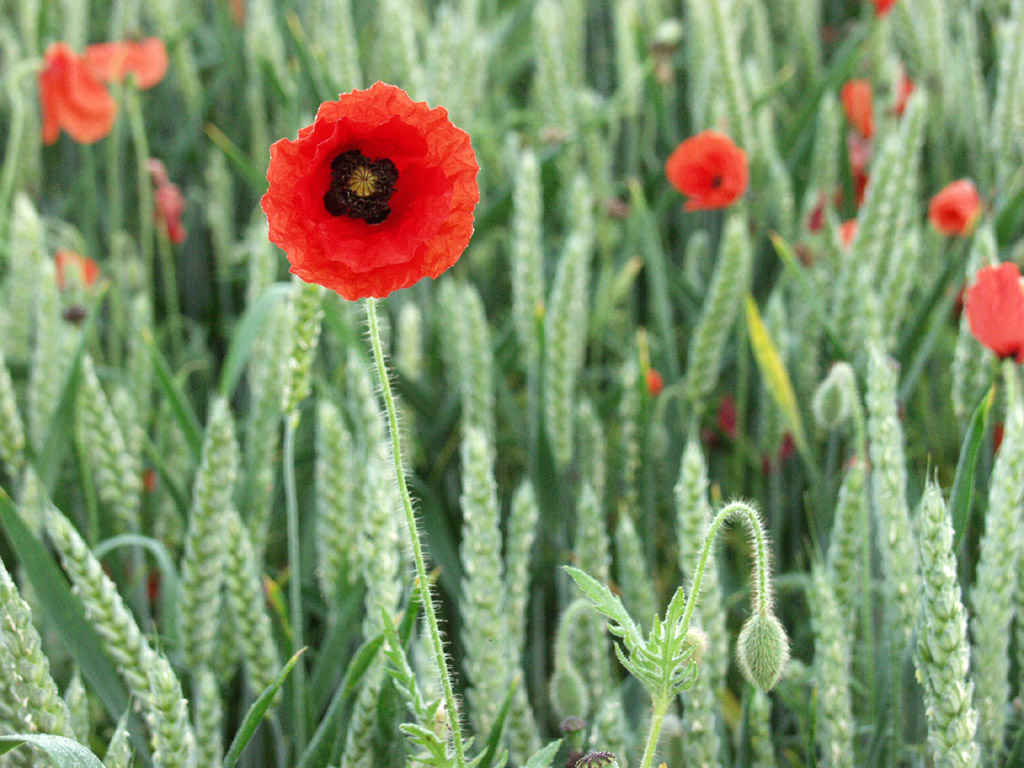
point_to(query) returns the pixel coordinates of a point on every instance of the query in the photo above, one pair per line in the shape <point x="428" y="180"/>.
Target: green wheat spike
<point x="846" y="541"/>
<point x="592" y="448"/>
<point x="335" y="31"/>
<point x="117" y="469"/>
<point x="25" y="671"/>
<point x="992" y="596"/>
<point x="485" y="631"/>
<point x="12" y="431"/>
<point x="832" y="662"/>
<point x="702" y="63"/>
<point x="730" y="79"/>
<point x="209" y="718"/>
<point x="336" y="518"/>
<point x="552" y="88"/>
<point x="565" y="334"/>
<point x="759" y="724"/>
<point x="467" y="339"/>
<point x="943" y="652"/>
<point x="173" y="740"/>
<point x="1007" y="125"/>
<point x="29" y="282"/>
<point x="307" y="301"/>
<point x="728" y="286"/>
<point x="634" y="577"/>
<point x="254" y="634"/>
<point x="202" y="565"/>
<point x="824" y="174"/>
<point x="77" y="701"/>
<point x="379" y="540"/>
<point x="119" y="752"/>
<point x="973" y="364"/>
<point x="889" y="489"/>
<point x="527" y="255"/>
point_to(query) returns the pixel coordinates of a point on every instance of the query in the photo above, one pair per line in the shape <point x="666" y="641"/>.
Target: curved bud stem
<point x="761" y="599"/>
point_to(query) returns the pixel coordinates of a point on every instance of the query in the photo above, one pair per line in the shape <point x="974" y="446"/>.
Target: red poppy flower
<point x="146" y="59"/>
<point x="856" y="97"/>
<point x="168" y="202"/>
<point x="847" y="231"/>
<point x="954" y="210"/>
<point x="995" y="310"/>
<point x="882" y="7"/>
<point x="709" y="169"/>
<point x="655" y="382"/>
<point x="87" y="269"/>
<point x="906" y="88"/>
<point x="72" y="98"/>
<point x="377" y="193"/>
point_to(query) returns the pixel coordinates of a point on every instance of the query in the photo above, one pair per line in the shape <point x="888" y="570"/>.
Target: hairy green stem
<point x="422" y="583"/>
<point x="657" y="717"/>
<point x="294" y="585"/>
<point x="762" y="596"/>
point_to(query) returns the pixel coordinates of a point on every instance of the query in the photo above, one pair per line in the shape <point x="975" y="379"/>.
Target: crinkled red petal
<point x="431" y="217"/>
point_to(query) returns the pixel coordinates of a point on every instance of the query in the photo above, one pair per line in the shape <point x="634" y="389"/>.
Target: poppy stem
<point x="422" y="583"/>
<point x="294" y="585"/>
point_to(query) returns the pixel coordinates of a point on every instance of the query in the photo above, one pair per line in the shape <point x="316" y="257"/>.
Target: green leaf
<point x="255" y="714"/>
<point x="245" y="168"/>
<point x="63" y="752"/>
<point x="545" y="756"/>
<point x="66" y="614"/>
<point x="494" y="737"/>
<point x="963" y="484"/>
<point x="776" y="377"/>
<point x="607" y="603"/>
<point x="247" y="331"/>
<point x="319" y="750"/>
<point x="180" y="407"/>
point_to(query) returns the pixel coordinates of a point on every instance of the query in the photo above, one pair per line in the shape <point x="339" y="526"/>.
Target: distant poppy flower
<point x="857" y="97"/>
<point x="168" y="203"/>
<point x="995" y="310"/>
<point x="903" y="93"/>
<point x="87" y="270"/>
<point x="882" y="7"/>
<point x="709" y="169"/>
<point x="655" y="382"/>
<point x="816" y="217"/>
<point x="859" y="150"/>
<point x="376" y="194"/>
<point x="726" y="418"/>
<point x="112" y="62"/>
<point x="847" y="231"/>
<point x="72" y="98"/>
<point x="954" y="210"/>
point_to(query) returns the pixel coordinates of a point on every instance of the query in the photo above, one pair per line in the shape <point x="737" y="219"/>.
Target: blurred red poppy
<point x="112" y="62"/>
<point x="856" y="97"/>
<point x="72" y="98"/>
<point x="882" y="7"/>
<point x="373" y="196"/>
<point x="995" y="310"/>
<point x="168" y="202"/>
<point x="906" y="88"/>
<point x="87" y="270"/>
<point x="954" y="210"/>
<point x="709" y="169"/>
<point x="847" y="231"/>
<point x="655" y="382"/>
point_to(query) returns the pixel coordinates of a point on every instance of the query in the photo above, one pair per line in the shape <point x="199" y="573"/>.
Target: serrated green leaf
<point x="545" y="756"/>
<point x="255" y="714"/>
<point x="63" y="752"/>
<point x="606" y="603"/>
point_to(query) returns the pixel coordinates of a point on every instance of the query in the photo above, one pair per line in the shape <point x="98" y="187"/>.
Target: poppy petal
<point x="72" y="99"/>
<point x="995" y="310"/>
<point x="427" y="220"/>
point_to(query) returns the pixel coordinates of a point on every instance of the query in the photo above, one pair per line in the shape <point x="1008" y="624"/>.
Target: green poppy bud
<point x="762" y="650"/>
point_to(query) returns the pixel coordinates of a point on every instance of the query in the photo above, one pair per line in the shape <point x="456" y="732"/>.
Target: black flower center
<point x="360" y="188"/>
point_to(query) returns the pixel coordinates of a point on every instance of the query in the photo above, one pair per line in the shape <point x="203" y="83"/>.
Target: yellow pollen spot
<point x="363" y="181"/>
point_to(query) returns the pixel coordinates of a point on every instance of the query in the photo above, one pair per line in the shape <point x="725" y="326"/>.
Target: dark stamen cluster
<point x="360" y="188"/>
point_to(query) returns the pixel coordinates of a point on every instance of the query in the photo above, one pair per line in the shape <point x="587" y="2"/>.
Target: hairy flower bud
<point x="762" y="650"/>
<point x="568" y="692"/>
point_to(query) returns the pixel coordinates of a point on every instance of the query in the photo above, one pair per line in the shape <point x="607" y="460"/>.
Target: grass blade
<point x="963" y="484"/>
<point x="255" y="714"/>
